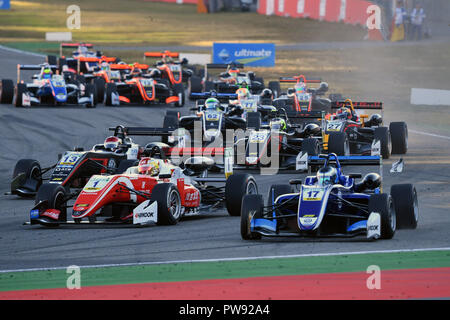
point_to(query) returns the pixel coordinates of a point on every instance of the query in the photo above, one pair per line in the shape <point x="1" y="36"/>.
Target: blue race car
<point x="332" y="204"/>
<point x="50" y="88"/>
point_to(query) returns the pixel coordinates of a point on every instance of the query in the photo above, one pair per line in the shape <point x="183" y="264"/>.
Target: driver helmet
<point x="149" y="166"/>
<point x="278" y="124"/>
<point x="326" y="176"/>
<point x="300" y="88"/>
<point x="47" y="73"/>
<point x="233" y="73"/>
<point x="112" y="143"/>
<point x="243" y="93"/>
<point x="212" y="104"/>
<point x="104" y="66"/>
<point x="267" y="94"/>
<point x="344" y="113"/>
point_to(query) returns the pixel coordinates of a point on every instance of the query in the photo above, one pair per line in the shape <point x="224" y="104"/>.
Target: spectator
<point x="417" y="17"/>
<point x="398" y="30"/>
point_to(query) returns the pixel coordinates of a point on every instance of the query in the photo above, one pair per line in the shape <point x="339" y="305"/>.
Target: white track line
<point x="22" y="52"/>
<point x="232" y="259"/>
<point x="429" y="134"/>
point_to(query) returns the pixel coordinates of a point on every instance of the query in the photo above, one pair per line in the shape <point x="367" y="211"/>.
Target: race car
<point x="345" y="132"/>
<point x="142" y="85"/>
<point x="48" y="88"/>
<point x="331" y="204"/>
<point x="227" y="82"/>
<point x="175" y="72"/>
<point x="301" y="98"/>
<point x="75" y="167"/>
<point x="154" y="191"/>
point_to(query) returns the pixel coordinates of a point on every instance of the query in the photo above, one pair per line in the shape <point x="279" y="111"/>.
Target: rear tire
<point x="20" y="90"/>
<point x="236" y="187"/>
<point x="100" y="87"/>
<point x="338" y="143"/>
<point x="91" y="92"/>
<point x="32" y="170"/>
<point x="254" y="120"/>
<point x="277" y="190"/>
<point x="406" y="205"/>
<point x="384" y="205"/>
<point x="382" y="134"/>
<point x="195" y="85"/>
<point x="276" y="89"/>
<point x="252" y="207"/>
<point x="399" y="137"/>
<point x="169" y="203"/>
<point x="7" y="91"/>
<point x="179" y="92"/>
<point x="110" y="89"/>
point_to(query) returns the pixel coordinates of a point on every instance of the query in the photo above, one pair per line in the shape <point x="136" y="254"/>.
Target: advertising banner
<point x="5" y="5"/>
<point x="251" y="54"/>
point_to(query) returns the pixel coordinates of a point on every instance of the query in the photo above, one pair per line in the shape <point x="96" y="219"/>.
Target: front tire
<point x="169" y="203"/>
<point x="338" y="143"/>
<point x="252" y="207"/>
<point x="55" y="195"/>
<point x="236" y="187"/>
<point x="406" y="205"/>
<point x="384" y="205"/>
<point x="7" y="91"/>
<point x="382" y="134"/>
<point x="311" y="146"/>
<point x="399" y="137"/>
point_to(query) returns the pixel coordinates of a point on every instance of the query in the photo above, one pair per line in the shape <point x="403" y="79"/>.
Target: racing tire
<point x="110" y="89"/>
<point x="91" y="91"/>
<point x="382" y="134"/>
<point x="406" y="205"/>
<point x="276" y="89"/>
<point x="20" y="90"/>
<point x="338" y="143"/>
<point x="209" y="86"/>
<point x="194" y="85"/>
<point x="32" y="170"/>
<point x="178" y="90"/>
<point x="61" y="63"/>
<point x="100" y="87"/>
<point x="399" y="137"/>
<point x="56" y="196"/>
<point x="259" y="86"/>
<point x="170" y="122"/>
<point x="7" y="91"/>
<point x="254" y="120"/>
<point x="252" y="207"/>
<point x="236" y="187"/>
<point x="169" y="203"/>
<point x="52" y="60"/>
<point x="384" y="205"/>
<point x="311" y="146"/>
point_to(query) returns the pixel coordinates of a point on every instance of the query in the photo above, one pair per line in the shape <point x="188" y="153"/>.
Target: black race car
<point x="75" y="167"/>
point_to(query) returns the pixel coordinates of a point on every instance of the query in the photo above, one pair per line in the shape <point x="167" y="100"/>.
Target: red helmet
<point x="149" y="166"/>
<point x="112" y="143"/>
<point x="344" y="112"/>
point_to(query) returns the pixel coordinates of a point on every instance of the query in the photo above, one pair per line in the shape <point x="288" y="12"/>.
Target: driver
<point x="47" y="73"/>
<point x="300" y="88"/>
<point x="278" y="124"/>
<point x="346" y="113"/>
<point x="243" y="94"/>
<point x="112" y="143"/>
<point x="212" y="104"/>
<point x="326" y="176"/>
<point x="149" y="166"/>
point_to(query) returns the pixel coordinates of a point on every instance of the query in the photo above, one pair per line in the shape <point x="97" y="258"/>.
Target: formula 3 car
<point x="49" y="88"/>
<point x="155" y="191"/>
<point x="75" y="167"/>
<point x="332" y="204"/>
<point x="346" y="132"/>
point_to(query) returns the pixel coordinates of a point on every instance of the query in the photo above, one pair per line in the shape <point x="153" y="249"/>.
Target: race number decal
<point x="313" y="194"/>
<point x="96" y="183"/>
<point x="258" y="136"/>
<point x="334" y="126"/>
<point x="69" y="159"/>
<point x="212" y="116"/>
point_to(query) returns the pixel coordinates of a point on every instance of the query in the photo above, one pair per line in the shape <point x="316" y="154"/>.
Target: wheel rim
<point x="59" y="200"/>
<point x="174" y="204"/>
<point x="416" y="206"/>
<point x="35" y="173"/>
<point x="251" y="188"/>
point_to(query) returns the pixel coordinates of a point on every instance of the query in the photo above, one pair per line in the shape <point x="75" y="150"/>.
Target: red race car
<point x="154" y="191"/>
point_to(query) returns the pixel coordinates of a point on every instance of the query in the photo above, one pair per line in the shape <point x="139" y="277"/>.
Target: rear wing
<point x="224" y="65"/>
<point x="305" y="163"/>
<point x="73" y="45"/>
<point x="33" y="67"/>
<point x="296" y="79"/>
<point x="142" y="131"/>
<point x="161" y="54"/>
<point x="358" y="105"/>
<point x="212" y="94"/>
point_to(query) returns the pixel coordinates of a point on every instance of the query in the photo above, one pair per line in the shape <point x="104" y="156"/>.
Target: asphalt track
<point x="43" y="132"/>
